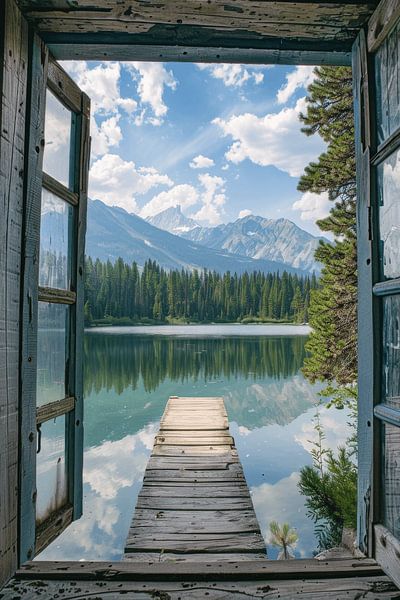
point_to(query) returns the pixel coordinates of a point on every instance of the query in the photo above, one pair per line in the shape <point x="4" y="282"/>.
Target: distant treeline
<point x="121" y="292"/>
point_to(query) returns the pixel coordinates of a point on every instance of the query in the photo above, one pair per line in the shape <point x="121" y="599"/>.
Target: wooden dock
<point x="194" y="504"/>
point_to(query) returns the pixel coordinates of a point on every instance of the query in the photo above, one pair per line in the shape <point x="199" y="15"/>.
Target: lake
<point x="129" y="374"/>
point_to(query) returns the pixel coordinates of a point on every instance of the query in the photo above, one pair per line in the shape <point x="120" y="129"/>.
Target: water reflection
<point x="127" y="382"/>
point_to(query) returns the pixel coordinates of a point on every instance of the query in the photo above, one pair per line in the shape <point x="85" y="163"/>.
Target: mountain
<point x="259" y="238"/>
<point x="113" y="232"/>
<point x="173" y="220"/>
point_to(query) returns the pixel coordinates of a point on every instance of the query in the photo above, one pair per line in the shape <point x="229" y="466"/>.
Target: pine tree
<point x="332" y="314"/>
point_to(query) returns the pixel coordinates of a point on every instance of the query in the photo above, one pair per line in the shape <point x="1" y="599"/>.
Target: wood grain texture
<point x="194" y="498"/>
<point x="387" y="550"/>
<point x="349" y="588"/>
<point x="32" y="210"/>
<point x="307" y="32"/>
<point x="335" y="20"/>
<point x="382" y="21"/>
<point x="150" y="570"/>
<point x="13" y="90"/>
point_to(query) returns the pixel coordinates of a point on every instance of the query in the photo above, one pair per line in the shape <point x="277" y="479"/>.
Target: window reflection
<point x="391" y="500"/>
<point x="389" y="214"/>
<point x="387" y="63"/>
<point x="391" y="345"/>
<point x="55" y="225"/>
<point x="58" y="125"/>
<point x="51" y="480"/>
<point x="52" y="352"/>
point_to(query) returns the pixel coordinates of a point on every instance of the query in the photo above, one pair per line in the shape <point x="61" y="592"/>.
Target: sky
<point x="222" y="141"/>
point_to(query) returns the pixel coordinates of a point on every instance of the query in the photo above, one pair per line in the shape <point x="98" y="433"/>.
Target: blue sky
<point x="216" y="139"/>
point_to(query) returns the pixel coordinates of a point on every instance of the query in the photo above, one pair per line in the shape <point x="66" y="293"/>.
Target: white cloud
<point x="313" y="206"/>
<point x="116" y="181"/>
<point x="213" y="198"/>
<point x="234" y="75"/>
<point x="335" y="425"/>
<point x="283" y="502"/>
<point x="273" y="140"/>
<point x="153" y="78"/>
<point x="201" y="162"/>
<point x="101" y="84"/>
<point x="301" y="77"/>
<point x="225" y="167"/>
<point x="244" y="213"/>
<point x="184" y="195"/>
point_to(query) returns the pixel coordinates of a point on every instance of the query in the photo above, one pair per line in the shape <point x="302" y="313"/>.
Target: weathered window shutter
<point x="376" y="67"/>
<point x="54" y="234"/>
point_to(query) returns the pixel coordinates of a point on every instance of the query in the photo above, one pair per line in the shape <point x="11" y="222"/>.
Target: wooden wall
<point x="13" y="88"/>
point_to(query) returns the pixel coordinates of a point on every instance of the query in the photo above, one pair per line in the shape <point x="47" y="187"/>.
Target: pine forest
<point x="121" y="293"/>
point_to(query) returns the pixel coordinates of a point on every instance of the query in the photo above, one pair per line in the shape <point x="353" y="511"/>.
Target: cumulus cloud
<point x="208" y="197"/>
<point x="301" y="77"/>
<point x="213" y="198"/>
<point x="152" y="80"/>
<point x="335" y="424"/>
<point x="244" y="213"/>
<point x="184" y="195"/>
<point x="116" y="181"/>
<point x="272" y="140"/>
<point x="313" y="206"/>
<point x="201" y="162"/>
<point x="234" y="75"/>
<point x="101" y="84"/>
<point x="282" y="502"/>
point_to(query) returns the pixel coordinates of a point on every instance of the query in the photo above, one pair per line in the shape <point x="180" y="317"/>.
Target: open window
<point x="377" y="85"/>
<point x="52" y="411"/>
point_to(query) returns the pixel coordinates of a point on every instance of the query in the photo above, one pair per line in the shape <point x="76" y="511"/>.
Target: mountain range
<point x="278" y="240"/>
<point x="112" y="232"/>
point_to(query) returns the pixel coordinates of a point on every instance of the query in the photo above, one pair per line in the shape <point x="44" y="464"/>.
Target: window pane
<point x="51" y="480"/>
<point x="55" y="224"/>
<point x="57" y="132"/>
<point x="52" y="345"/>
<point x="391" y="484"/>
<point x="387" y="64"/>
<point x="391" y="350"/>
<point x="389" y="214"/>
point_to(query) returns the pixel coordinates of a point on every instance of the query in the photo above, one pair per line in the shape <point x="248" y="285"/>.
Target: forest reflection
<point x="118" y="361"/>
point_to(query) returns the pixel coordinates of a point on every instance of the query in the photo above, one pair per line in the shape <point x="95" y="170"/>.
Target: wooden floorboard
<point x="194" y="500"/>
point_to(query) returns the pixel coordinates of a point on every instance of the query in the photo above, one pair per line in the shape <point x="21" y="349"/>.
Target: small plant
<point x="330" y="488"/>
<point x="283" y="536"/>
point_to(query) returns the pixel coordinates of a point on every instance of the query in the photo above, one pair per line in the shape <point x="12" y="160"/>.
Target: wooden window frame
<point x="47" y="74"/>
<point x="374" y="539"/>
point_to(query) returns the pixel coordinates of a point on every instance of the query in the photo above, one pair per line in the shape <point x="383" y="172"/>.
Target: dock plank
<point x="194" y="500"/>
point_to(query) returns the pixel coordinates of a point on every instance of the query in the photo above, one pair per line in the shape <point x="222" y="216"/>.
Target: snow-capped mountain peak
<point x="173" y="220"/>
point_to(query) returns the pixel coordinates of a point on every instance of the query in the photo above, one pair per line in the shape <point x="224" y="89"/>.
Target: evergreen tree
<point x="332" y="313"/>
<point x="120" y="291"/>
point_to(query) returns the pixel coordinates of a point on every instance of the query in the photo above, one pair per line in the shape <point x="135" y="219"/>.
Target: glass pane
<point x="51" y="480"/>
<point x="56" y="219"/>
<point x="391" y="350"/>
<point x="57" y="133"/>
<point x="389" y="214"/>
<point x="391" y="484"/>
<point x="387" y="64"/>
<point x="52" y="352"/>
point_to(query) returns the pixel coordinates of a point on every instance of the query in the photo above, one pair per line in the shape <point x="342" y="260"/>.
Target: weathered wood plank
<point x="307" y="568"/>
<point x="204" y="503"/>
<point x="13" y="90"/>
<point x="371" y="588"/>
<point x="194" y="491"/>
<point x="387" y="549"/>
<point x="384" y="18"/>
<point x="196" y="542"/>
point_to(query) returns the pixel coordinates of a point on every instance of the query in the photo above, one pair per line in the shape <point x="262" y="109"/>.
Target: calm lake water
<point x="129" y="374"/>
